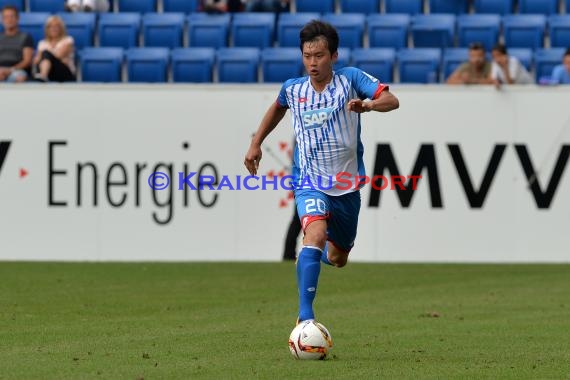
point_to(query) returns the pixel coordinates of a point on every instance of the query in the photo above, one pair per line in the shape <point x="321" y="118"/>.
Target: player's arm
<point x="384" y="102"/>
<point x="272" y="117"/>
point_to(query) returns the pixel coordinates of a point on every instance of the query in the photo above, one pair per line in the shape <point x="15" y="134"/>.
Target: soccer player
<point x="325" y="109"/>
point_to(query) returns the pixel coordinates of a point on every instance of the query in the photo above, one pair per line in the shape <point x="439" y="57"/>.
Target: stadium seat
<point x="350" y="28"/>
<point x="478" y="28"/>
<point x="343" y="58"/>
<point x="147" y="65"/>
<point x="388" y="30"/>
<point x="546" y="59"/>
<point x="524" y="55"/>
<point x="501" y="7"/>
<point x="253" y="29"/>
<point x="238" y="64"/>
<point x="546" y="7"/>
<point x="433" y="30"/>
<point x="360" y="6"/>
<point x="80" y="26"/>
<point x="101" y="64"/>
<point x="559" y="30"/>
<point x="404" y="6"/>
<point x="419" y="65"/>
<point x="119" y="29"/>
<point x="141" y="6"/>
<point x="51" y="6"/>
<point x="184" y="6"/>
<point x="192" y="64"/>
<point x="208" y="30"/>
<point x="163" y="29"/>
<point x="452" y="58"/>
<point x="33" y="23"/>
<point x="20" y="4"/>
<point x="449" y="6"/>
<point x="280" y="64"/>
<point x="524" y="30"/>
<point x="289" y="25"/>
<point x="320" y="6"/>
<point x="378" y="62"/>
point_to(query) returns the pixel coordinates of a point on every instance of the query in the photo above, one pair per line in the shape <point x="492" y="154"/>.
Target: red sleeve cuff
<point x="381" y="87"/>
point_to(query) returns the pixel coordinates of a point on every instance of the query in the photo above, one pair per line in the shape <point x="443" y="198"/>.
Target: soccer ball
<point x="310" y="340"/>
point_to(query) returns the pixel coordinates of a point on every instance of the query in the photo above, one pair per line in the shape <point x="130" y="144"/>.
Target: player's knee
<point x="339" y="261"/>
<point x="316" y="238"/>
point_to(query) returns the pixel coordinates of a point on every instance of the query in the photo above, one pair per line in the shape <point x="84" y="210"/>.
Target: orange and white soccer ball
<point x="310" y="340"/>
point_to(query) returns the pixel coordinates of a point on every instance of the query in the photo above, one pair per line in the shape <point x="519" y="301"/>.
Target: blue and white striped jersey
<point x="326" y="131"/>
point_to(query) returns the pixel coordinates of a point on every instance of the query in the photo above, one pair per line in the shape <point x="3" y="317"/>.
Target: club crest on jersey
<point x="316" y="118"/>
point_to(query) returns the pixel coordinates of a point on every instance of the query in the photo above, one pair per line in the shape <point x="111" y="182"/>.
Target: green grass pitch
<point x="232" y="320"/>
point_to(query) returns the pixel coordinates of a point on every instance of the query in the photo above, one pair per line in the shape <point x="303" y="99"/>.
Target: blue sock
<point x="308" y="269"/>
<point x="324" y="256"/>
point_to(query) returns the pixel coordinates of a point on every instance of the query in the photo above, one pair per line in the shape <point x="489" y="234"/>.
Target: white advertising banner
<point x="76" y="163"/>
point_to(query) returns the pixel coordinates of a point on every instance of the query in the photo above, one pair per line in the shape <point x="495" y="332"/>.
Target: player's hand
<point x="358" y="106"/>
<point x="252" y="158"/>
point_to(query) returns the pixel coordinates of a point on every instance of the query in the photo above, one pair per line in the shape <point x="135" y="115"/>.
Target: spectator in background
<point x="87" y="5"/>
<point x="507" y="69"/>
<point x="275" y="6"/>
<point x="16" y="48"/>
<point x="475" y="71"/>
<point x="561" y="73"/>
<point x="221" y="6"/>
<point x="54" y="60"/>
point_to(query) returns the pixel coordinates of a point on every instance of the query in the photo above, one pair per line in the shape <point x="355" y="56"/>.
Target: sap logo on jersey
<point x="316" y="118"/>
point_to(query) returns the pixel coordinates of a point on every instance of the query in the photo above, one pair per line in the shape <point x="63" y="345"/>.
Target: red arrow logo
<point x="23" y="172"/>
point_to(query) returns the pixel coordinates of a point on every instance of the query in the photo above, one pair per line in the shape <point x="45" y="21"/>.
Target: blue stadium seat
<point x="388" y="30"/>
<point x="119" y="29"/>
<point x="141" y="6"/>
<point x="404" y="6"/>
<point x="360" y="6"/>
<point x="289" y="25"/>
<point x="20" y="4"/>
<point x="419" y="65"/>
<point x="238" y="64"/>
<point x="433" y="30"/>
<point x="80" y="26"/>
<point x="184" y="6"/>
<point x="547" y="7"/>
<point x="559" y="30"/>
<point x="343" y="58"/>
<point x="101" y="64"/>
<point x="163" y="29"/>
<point x="51" y="6"/>
<point x="208" y="30"/>
<point x="452" y="58"/>
<point x="523" y="54"/>
<point x="449" y="6"/>
<point x="350" y="28"/>
<point x="478" y="28"/>
<point x="33" y="24"/>
<point x="253" y="29"/>
<point x="546" y="59"/>
<point x="319" y="6"/>
<point x="192" y="64"/>
<point x="378" y="62"/>
<point x="280" y="64"/>
<point x="147" y="65"/>
<point x="524" y="30"/>
<point x="501" y="7"/>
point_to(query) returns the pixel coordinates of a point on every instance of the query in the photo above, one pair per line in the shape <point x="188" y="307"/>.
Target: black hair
<point x="11" y="8"/>
<point x="567" y="52"/>
<point x="500" y="48"/>
<point x="316" y="29"/>
<point x="477" y="46"/>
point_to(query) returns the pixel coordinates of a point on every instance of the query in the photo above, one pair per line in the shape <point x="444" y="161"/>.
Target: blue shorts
<point x="340" y="212"/>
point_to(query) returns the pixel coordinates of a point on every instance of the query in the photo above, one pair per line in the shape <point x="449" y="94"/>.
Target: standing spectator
<point x="507" y="69"/>
<point x="54" y="59"/>
<point x="475" y="71"/>
<point x="275" y="6"/>
<point x="561" y="73"/>
<point x="87" y="5"/>
<point x="16" y="48"/>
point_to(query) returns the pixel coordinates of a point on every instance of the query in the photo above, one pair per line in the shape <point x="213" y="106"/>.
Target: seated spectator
<point x="561" y="73"/>
<point x="221" y="6"/>
<point x="16" y="48"/>
<point x="87" y="5"/>
<point x="54" y="60"/>
<point x="507" y="69"/>
<point x="475" y="71"/>
<point x="275" y="6"/>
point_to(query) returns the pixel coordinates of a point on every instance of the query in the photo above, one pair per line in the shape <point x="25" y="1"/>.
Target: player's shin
<point x="308" y="269"/>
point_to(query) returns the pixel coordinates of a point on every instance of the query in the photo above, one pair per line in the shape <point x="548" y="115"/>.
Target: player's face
<point x="318" y="60"/>
<point x="9" y="19"/>
<point x="477" y="58"/>
<point x="566" y="62"/>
